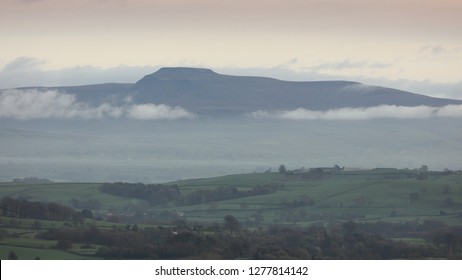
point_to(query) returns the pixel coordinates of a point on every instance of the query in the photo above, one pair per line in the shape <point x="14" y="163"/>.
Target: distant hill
<point x="205" y="92"/>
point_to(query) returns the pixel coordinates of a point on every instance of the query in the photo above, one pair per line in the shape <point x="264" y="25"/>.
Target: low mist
<point x="124" y="149"/>
<point x="377" y="112"/>
<point x="51" y="104"/>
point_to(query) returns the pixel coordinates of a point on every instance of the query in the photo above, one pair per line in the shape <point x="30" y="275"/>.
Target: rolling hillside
<point x="409" y="209"/>
<point x="369" y="195"/>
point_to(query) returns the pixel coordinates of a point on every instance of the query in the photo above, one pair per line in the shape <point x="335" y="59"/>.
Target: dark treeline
<point x="21" y="208"/>
<point x="91" y="204"/>
<point x="161" y="194"/>
<point x="436" y="232"/>
<point x="155" y="194"/>
<point x="316" y="174"/>
<point x="411" y="229"/>
<point x="225" y="193"/>
<point x="274" y="243"/>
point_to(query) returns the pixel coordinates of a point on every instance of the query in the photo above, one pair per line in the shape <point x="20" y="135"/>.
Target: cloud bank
<point x="155" y="112"/>
<point x="51" y="104"/>
<point x="377" y="112"/>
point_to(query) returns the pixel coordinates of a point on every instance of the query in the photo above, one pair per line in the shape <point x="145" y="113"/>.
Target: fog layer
<point x="123" y="149"/>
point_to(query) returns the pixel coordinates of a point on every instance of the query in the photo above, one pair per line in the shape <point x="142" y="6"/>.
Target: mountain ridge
<point x="213" y="93"/>
<point x="205" y="92"/>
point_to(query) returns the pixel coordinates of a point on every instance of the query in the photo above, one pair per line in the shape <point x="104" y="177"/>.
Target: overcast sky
<point x="413" y="45"/>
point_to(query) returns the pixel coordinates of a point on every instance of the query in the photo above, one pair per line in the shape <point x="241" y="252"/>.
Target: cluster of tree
<point x="155" y="194"/>
<point x="21" y="208"/>
<point x="231" y="242"/>
<point x="161" y="194"/>
<point x="339" y="243"/>
<point x="311" y="174"/>
<point x="319" y="173"/>
<point x="225" y="193"/>
<point x="292" y="215"/>
<point x="144" y="217"/>
<point x="443" y="236"/>
<point x="210" y="195"/>
<point x="422" y="173"/>
<point x="405" y="229"/>
<point x="448" y="239"/>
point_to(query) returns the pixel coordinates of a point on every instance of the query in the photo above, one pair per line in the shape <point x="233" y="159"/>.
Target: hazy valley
<point x="159" y="151"/>
<point x="180" y="123"/>
<point x="140" y="162"/>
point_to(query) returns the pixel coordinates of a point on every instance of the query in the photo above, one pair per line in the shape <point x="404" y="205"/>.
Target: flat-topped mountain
<point x="206" y="92"/>
<point x="181" y="73"/>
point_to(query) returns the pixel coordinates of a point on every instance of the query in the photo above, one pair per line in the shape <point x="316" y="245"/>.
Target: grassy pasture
<point x="369" y="194"/>
<point x="62" y="193"/>
<point x="357" y="195"/>
<point x="362" y="196"/>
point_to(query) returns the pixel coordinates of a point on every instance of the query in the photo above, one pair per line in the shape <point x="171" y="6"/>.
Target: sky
<point x="413" y="45"/>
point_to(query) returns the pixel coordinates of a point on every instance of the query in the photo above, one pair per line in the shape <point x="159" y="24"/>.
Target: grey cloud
<point x="50" y="104"/>
<point x="378" y="112"/>
<point x="22" y="64"/>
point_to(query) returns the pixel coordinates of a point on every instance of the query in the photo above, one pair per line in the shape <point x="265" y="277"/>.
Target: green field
<point x="348" y="195"/>
<point x="388" y="195"/>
